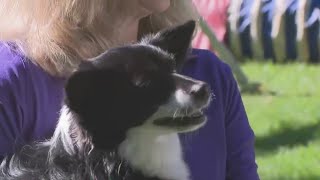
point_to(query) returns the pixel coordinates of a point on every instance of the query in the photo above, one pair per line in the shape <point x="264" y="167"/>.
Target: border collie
<point x="121" y="117"/>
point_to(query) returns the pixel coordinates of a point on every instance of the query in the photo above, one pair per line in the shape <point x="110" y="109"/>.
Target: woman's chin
<point x="155" y="6"/>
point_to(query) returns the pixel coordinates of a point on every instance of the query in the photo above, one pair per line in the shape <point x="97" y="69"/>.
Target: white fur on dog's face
<point x="180" y="105"/>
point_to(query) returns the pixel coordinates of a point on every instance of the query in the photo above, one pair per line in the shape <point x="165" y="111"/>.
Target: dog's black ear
<point x="92" y="95"/>
<point x="176" y="40"/>
<point x="77" y="89"/>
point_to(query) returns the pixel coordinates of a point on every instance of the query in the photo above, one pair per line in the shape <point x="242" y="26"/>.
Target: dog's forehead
<point x="141" y="54"/>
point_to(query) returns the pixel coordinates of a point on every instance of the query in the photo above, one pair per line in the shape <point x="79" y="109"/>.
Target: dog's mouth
<point x="191" y="120"/>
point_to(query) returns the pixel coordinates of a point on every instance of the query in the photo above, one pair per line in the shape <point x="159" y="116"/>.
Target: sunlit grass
<point x="287" y="125"/>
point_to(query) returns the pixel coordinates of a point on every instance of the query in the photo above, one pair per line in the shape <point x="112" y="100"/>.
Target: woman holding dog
<point x="43" y="42"/>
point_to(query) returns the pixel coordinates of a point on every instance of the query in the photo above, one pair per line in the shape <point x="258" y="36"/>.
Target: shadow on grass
<point x="311" y="177"/>
<point x="287" y="137"/>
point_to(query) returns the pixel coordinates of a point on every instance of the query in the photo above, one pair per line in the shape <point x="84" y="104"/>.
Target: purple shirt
<point x="30" y="100"/>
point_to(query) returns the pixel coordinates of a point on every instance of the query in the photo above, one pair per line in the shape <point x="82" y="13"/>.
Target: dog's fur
<point x="122" y="115"/>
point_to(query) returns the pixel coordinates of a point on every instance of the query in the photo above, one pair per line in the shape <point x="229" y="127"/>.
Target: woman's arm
<point x="11" y="70"/>
<point x="10" y="122"/>
<point x="239" y="135"/>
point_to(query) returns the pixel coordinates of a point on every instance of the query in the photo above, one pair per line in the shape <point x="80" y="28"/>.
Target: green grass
<point x="287" y="125"/>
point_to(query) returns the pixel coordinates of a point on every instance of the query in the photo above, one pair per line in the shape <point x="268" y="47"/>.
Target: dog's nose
<point x="200" y="91"/>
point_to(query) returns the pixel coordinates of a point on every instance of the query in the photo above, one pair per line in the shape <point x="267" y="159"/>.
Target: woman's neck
<point x="127" y="31"/>
<point x="126" y="24"/>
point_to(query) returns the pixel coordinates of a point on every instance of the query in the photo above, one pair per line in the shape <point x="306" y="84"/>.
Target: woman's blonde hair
<point x="58" y="34"/>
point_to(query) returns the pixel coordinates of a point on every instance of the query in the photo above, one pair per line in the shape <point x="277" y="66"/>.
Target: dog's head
<point x="138" y="86"/>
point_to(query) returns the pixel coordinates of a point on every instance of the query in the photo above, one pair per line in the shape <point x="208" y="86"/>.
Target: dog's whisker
<point x="186" y="110"/>
<point x="212" y="96"/>
<point x="175" y="113"/>
<point x="91" y="149"/>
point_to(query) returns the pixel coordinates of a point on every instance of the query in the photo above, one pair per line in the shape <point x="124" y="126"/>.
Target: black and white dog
<point x="122" y="115"/>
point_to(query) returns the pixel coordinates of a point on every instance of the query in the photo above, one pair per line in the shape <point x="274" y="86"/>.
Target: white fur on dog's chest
<point x="155" y="155"/>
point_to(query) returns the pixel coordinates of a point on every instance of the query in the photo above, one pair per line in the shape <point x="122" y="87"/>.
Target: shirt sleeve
<point x="11" y="116"/>
<point x="10" y="123"/>
<point x="239" y="135"/>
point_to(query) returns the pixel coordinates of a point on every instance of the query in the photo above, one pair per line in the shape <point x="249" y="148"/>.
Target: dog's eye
<point x="142" y="83"/>
<point x="140" y="80"/>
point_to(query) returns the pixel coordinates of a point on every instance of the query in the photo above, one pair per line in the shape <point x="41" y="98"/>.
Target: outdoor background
<point x="273" y="49"/>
